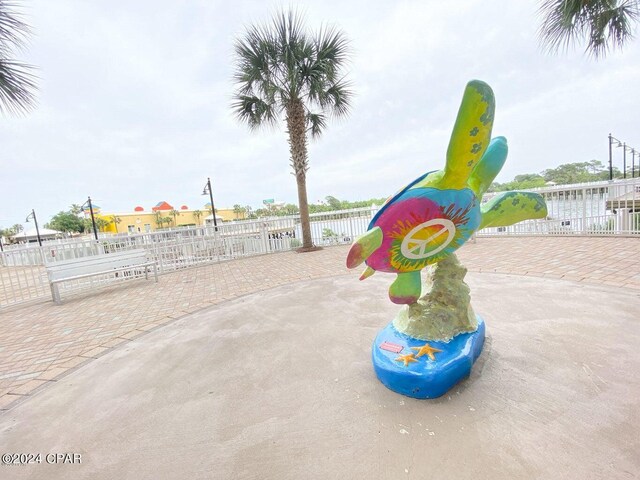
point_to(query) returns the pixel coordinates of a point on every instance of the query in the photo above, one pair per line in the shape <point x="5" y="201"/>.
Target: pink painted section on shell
<point x="412" y="211"/>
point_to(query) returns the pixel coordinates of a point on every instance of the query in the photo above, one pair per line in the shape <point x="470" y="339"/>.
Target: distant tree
<point x="291" y="209"/>
<point x="282" y="71"/>
<point x="569" y="173"/>
<point x="66" y="222"/>
<point x="197" y="214"/>
<point x="602" y="24"/>
<point x="17" y="83"/>
<point x="102" y="224"/>
<point x="333" y="202"/>
<point x="75" y="209"/>
<point x="565" y="174"/>
<point x="237" y="210"/>
<point x="160" y="221"/>
<point x="175" y="214"/>
<point x="115" y="220"/>
<point x="17" y="228"/>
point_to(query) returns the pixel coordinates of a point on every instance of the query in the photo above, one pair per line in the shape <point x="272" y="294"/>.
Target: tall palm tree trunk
<point x="297" y="129"/>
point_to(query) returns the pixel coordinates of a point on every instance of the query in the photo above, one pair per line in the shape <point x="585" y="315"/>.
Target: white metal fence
<point x="601" y="208"/>
<point x="597" y="208"/>
<point x="23" y="273"/>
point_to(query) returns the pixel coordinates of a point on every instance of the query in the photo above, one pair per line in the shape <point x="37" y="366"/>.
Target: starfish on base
<point x="426" y="349"/>
<point x="407" y="359"/>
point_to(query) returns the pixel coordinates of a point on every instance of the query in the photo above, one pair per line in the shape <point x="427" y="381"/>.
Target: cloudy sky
<point x="133" y="106"/>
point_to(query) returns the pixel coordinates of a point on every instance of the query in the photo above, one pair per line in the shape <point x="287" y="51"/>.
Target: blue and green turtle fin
<point x="364" y="246"/>
<point x="489" y="166"/>
<point x="406" y="288"/>
<point x="367" y="273"/>
<point x="471" y="134"/>
<point x="508" y="208"/>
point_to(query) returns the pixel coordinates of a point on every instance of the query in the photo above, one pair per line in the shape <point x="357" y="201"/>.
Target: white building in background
<point x="31" y="235"/>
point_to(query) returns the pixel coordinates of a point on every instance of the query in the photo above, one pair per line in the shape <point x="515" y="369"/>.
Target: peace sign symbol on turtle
<point x="415" y="247"/>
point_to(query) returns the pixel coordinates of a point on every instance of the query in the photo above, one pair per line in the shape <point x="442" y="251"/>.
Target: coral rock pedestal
<point x="432" y="344"/>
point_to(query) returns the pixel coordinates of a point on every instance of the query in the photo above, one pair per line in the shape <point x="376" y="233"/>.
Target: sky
<point x="134" y="98"/>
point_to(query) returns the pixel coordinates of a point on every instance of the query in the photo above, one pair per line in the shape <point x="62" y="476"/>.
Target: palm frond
<point x="332" y="51"/>
<point x="316" y="124"/>
<point x="337" y="98"/>
<point x="17" y="87"/>
<point x="603" y="24"/>
<point x="254" y="111"/>
<point x="14" y="33"/>
<point x="612" y="27"/>
<point x="17" y="81"/>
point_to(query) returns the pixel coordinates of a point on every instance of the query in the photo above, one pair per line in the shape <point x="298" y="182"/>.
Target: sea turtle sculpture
<point x="426" y="221"/>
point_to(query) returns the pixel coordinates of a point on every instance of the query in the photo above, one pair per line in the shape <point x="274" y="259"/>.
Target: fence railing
<point x="23" y="273"/>
<point x="599" y="208"/>
<point x="595" y="208"/>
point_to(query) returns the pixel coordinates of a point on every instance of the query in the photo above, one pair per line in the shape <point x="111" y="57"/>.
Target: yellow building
<point x="162" y="216"/>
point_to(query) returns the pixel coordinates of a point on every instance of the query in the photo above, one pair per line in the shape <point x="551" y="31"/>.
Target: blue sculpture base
<point x="422" y="376"/>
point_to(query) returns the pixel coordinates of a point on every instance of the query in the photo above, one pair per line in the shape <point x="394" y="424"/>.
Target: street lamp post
<point x="93" y="220"/>
<point x="625" y="147"/>
<point x="610" y="158"/>
<point x="207" y="189"/>
<point x="35" y="220"/>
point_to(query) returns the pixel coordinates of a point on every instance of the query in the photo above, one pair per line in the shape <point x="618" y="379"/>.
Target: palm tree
<point x="115" y="220"/>
<point x="174" y="213"/>
<point x="283" y="72"/>
<point x="17" y="83"/>
<point x="17" y="228"/>
<point x="197" y="214"/>
<point x="101" y="224"/>
<point x="604" y="24"/>
<point x="75" y="209"/>
<point x="237" y="210"/>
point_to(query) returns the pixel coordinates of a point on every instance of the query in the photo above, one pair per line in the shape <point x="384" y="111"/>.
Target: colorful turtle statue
<point x="424" y="224"/>
<point x="439" y="211"/>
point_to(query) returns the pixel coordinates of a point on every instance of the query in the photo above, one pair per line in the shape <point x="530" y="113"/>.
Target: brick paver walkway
<point x="39" y="343"/>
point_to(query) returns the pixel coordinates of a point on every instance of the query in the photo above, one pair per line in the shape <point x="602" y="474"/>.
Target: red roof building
<point x="162" y="206"/>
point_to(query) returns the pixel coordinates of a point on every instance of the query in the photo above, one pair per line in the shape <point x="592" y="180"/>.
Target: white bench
<point x="132" y="261"/>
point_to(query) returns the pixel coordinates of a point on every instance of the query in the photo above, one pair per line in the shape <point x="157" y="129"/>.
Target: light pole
<point x="35" y="220"/>
<point x="610" y="158"/>
<point x="625" y="147"/>
<point x="207" y="189"/>
<point x="93" y="220"/>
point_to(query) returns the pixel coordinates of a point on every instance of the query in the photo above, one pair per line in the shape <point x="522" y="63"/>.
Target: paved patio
<point x="279" y="385"/>
<point x="41" y="343"/>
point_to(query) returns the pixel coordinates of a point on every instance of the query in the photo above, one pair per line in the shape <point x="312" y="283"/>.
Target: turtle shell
<point x="421" y="226"/>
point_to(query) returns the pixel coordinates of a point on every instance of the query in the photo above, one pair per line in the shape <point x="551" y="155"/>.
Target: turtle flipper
<point x="406" y="288"/>
<point x="471" y="134"/>
<point x="489" y="166"/>
<point x="364" y="246"/>
<point x="367" y="273"/>
<point x="508" y="208"/>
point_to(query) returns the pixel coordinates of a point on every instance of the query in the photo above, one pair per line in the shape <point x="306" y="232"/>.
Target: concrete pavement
<point x="279" y="385"/>
<point x="41" y="343"/>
